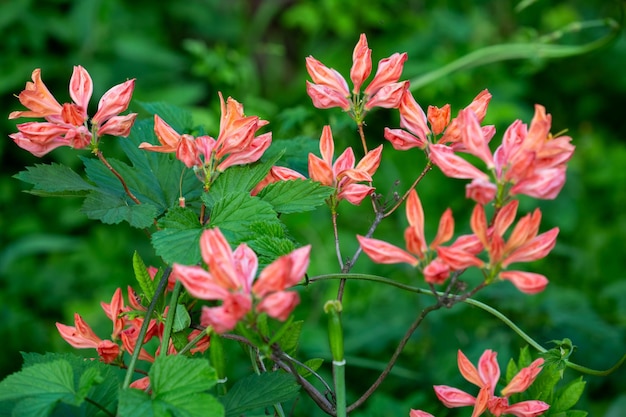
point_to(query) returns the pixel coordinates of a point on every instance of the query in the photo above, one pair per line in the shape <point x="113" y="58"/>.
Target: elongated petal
<point x="439" y="118"/>
<point x="187" y="152"/>
<point x="478" y="223"/>
<point x="324" y="97"/>
<point x="468" y="370"/>
<point x="479" y="104"/>
<point x="114" y="101"/>
<point x="198" y="282"/>
<point x="324" y="76"/>
<point x="361" y="64"/>
<point x="526" y="282"/>
<point x="445" y="230"/>
<point x="385" y="253"/>
<point x="505" y="217"/>
<point x="436" y="272"/>
<point x="320" y="170"/>
<point x="108" y="351"/>
<point x="523" y="379"/>
<point x="453" y="397"/>
<point x="343" y="162"/>
<point x="389" y="96"/>
<point x="81" y="88"/>
<point x="250" y="154"/>
<point x="412" y="117"/>
<point x="279" y="305"/>
<point x="481" y="191"/>
<point x="402" y="140"/>
<point x="545" y="184"/>
<point x="113" y="311"/>
<point x="488" y="369"/>
<point x="284" y="272"/>
<point x="473" y="137"/>
<point x="218" y="255"/>
<point x="531" y="408"/>
<point x="118" y="125"/>
<point x="354" y="193"/>
<point x="246" y="264"/>
<point x="168" y="137"/>
<point x="458" y="258"/>
<point x="419" y="413"/>
<point x="327" y="145"/>
<point x="37" y="99"/>
<point x="389" y="71"/>
<point x="453" y="165"/>
<point x="80" y="335"/>
<point x="371" y="161"/>
<point x="537" y="248"/>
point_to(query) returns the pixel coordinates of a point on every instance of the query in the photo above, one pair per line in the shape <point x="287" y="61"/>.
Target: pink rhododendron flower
<point x="81" y="336"/>
<point x="277" y="173"/>
<point x="67" y="124"/>
<point x="486" y="377"/>
<point x="418" y="251"/>
<point x="330" y="89"/>
<point x="231" y="279"/>
<point x="524" y="243"/>
<point x="236" y="144"/>
<point x="342" y="175"/>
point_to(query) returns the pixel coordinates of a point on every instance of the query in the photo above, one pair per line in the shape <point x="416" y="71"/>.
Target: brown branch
<point x="119" y="177"/>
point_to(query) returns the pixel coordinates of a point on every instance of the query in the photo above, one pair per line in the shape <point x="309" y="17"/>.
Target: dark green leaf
<point x="54" y="180"/>
<point x="295" y="196"/>
<point x="181" y="319"/>
<point x="111" y="209"/>
<point x="179" y="238"/>
<point x="258" y="391"/>
<point x="312" y="364"/>
<point x="178" y="118"/>
<point x="290" y="338"/>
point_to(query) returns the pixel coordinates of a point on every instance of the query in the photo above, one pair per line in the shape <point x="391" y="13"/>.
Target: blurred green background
<point x="53" y="261"/>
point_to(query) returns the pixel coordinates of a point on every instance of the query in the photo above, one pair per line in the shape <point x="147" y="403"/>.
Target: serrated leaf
<point x="240" y="178"/>
<point x="511" y="370"/>
<point x="179" y="386"/>
<point x="147" y="284"/>
<point x="181" y="318"/>
<point x="235" y="212"/>
<point x="295" y="196"/>
<point x="54" y="180"/>
<point x="289" y="340"/>
<point x="179" y="238"/>
<point x="111" y="209"/>
<point x="569" y="395"/>
<point x="524" y="358"/>
<point x="258" y="391"/>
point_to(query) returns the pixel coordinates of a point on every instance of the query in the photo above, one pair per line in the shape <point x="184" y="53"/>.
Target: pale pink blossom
<point x="67" y="124"/>
<point x="486" y="377"/>
<point x="419" y="413"/>
<point x="230" y="278"/>
<point x="343" y="175"/>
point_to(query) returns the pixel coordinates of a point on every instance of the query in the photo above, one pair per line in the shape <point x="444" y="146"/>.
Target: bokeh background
<point x="54" y="261"/>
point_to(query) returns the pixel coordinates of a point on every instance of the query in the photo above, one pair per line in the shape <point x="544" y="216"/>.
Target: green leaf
<point x="313" y="364"/>
<point x="576" y="413"/>
<point x="179" y="386"/>
<point x="147" y="284"/>
<point x="295" y="196"/>
<point x="288" y="341"/>
<point x="236" y="212"/>
<point x="511" y="370"/>
<point x="258" y="391"/>
<point x="524" y="358"/>
<point x="111" y="209"/>
<point x="181" y="319"/>
<point x="54" y="180"/>
<point x="179" y="238"/>
<point x="569" y="395"/>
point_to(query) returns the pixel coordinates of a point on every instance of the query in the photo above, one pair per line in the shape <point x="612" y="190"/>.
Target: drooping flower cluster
<point x="330" y="89"/>
<point x="343" y="175"/>
<point x="437" y="261"/>
<point x="127" y="321"/>
<point x="231" y="279"/>
<point x="236" y="144"/>
<point x="69" y="124"/>
<point x="486" y="378"/>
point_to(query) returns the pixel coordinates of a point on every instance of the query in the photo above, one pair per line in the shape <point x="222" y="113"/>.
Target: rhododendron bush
<point x="212" y="203"/>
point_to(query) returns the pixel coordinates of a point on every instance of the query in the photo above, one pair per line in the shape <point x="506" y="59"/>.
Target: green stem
<point x="144" y="327"/>
<point x="339" y="379"/>
<point x="471" y="301"/>
<point x="169" y="320"/>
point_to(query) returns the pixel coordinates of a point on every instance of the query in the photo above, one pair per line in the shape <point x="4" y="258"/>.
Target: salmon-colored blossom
<point x="277" y="173"/>
<point x="236" y="144"/>
<point x="330" y="89"/>
<point x="418" y="252"/>
<point x="81" y="336"/>
<point x="486" y="377"/>
<point x="231" y="279"/>
<point x="343" y="175"/>
<point x="67" y="124"/>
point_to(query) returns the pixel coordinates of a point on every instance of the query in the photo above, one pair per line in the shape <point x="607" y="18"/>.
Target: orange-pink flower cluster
<point x="68" y="124"/>
<point x="330" y="89"/>
<point x="343" y="175"/>
<point x="231" y="279"/>
<point x="236" y="144"/>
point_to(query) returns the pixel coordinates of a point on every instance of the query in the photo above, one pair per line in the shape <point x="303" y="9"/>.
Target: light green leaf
<point x="288" y="341"/>
<point x="181" y="319"/>
<point x="147" y="284"/>
<point x="235" y="212"/>
<point x="111" y="209"/>
<point x="258" y="391"/>
<point x="54" y="180"/>
<point x="53" y="380"/>
<point x="314" y="364"/>
<point x="511" y="370"/>
<point x="295" y="196"/>
<point x="179" y="238"/>
<point x="569" y="395"/>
